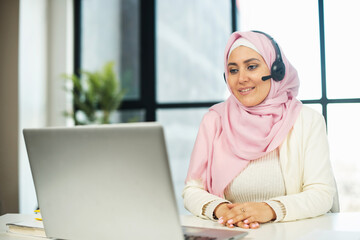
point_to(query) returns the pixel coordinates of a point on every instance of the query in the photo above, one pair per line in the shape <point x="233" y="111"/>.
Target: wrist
<point x="271" y="212"/>
<point x="279" y="209"/>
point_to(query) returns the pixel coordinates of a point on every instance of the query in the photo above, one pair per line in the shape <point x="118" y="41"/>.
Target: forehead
<point x="243" y="53"/>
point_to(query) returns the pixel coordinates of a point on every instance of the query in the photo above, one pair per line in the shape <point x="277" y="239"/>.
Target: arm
<point x="307" y="173"/>
<point x="205" y="205"/>
<point x="200" y="202"/>
<point x="197" y="198"/>
<point x="310" y="181"/>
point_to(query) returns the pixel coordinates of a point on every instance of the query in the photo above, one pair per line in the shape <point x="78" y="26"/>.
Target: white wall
<point x="45" y="53"/>
<point x="32" y="87"/>
<point x="60" y="59"/>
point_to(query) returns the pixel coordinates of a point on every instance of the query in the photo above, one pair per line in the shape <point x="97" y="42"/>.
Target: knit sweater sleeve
<point x="200" y="202"/>
<point x="310" y="181"/>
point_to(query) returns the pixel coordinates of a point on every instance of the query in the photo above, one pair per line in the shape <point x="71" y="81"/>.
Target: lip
<point x="241" y="90"/>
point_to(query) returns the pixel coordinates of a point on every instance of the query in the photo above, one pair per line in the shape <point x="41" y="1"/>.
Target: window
<point x="324" y="90"/>
<point x="109" y="31"/>
<point x="189" y="56"/>
<point x="342" y="48"/>
<point x="342" y="88"/>
<point x="344" y="130"/>
<point x="267" y="16"/>
<point x="170" y="52"/>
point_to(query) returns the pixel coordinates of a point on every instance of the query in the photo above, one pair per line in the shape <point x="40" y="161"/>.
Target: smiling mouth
<point x="246" y="89"/>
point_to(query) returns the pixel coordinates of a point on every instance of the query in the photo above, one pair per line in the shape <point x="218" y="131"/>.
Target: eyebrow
<point x="246" y="61"/>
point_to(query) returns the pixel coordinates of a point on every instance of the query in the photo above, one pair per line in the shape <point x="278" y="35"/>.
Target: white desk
<point x="339" y="226"/>
<point x="330" y="227"/>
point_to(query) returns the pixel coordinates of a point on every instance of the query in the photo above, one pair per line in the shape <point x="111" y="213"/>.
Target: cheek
<point x="231" y="84"/>
<point x="265" y="88"/>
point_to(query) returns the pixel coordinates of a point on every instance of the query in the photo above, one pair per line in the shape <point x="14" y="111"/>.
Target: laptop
<point x="106" y="182"/>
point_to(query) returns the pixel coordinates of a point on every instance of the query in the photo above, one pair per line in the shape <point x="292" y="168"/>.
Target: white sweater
<point x="260" y="181"/>
<point x="306" y="170"/>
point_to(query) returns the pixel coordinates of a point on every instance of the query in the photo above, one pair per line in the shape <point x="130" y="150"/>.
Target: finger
<point x="254" y="225"/>
<point x="240" y="217"/>
<point x="240" y="214"/>
<point x="226" y="220"/>
<point x="235" y="214"/>
<point x="230" y="223"/>
<point x="229" y="217"/>
<point x="221" y="220"/>
<point x="249" y="220"/>
<point x="243" y="225"/>
<point x="232" y="205"/>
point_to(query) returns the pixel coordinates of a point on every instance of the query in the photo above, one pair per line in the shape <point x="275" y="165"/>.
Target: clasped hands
<point x="244" y="215"/>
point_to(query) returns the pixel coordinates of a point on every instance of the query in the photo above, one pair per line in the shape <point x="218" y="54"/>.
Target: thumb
<point x="231" y="205"/>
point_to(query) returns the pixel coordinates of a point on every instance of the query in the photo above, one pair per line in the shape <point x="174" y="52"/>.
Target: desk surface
<point x="330" y="226"/>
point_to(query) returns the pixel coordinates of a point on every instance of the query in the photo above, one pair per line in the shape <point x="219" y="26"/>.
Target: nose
<point x="242" y="77"/>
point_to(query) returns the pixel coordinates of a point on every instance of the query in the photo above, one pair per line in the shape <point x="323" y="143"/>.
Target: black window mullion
<point x="77" y="37"/>
<point x="233" y="16"/>
<point x="186" y="105"/>
<point x="77" y="45"/>
<point x="324" y="100"/>
<point x="344" y="100"/>
<point x="148" y="60"/>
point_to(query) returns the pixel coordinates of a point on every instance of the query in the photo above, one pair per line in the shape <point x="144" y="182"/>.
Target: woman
<point x="261" y="155"/>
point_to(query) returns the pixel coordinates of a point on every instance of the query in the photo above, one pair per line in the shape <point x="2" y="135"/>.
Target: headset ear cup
<point x="278" y="67"/>
<point x="278" y="70"/>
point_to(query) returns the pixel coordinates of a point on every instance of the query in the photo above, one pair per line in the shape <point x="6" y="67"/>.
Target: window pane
<point x="342" y="48"/>
<point x="344" y="132"/>
<point x="191" y="38"/>
<point x="125" y="116"/>
<point x="130" y="47"/>
<point x="295" y="27"/>
<point x="110" y="32"/>
<point x="181" y="127"/>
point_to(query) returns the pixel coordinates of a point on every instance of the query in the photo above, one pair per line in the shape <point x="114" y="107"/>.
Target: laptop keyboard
<point x="192" y="237"/>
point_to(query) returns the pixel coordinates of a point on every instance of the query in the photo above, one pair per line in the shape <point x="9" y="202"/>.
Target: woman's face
<point x="245" y="69"/>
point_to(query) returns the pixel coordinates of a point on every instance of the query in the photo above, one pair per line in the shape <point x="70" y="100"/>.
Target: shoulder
<point x="310" y="123"/>
<point x="310" y="112"/>
<point x="215" y="112"/>
<point x="211" y="118"/>
<point x="309" y="116"/>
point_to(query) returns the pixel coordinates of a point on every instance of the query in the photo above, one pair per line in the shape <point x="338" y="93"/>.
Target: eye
<point x="233" y="71"/>
<point x="252" y="67"/>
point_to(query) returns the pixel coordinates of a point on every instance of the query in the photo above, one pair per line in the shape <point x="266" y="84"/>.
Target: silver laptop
<point x="105" y="182"/>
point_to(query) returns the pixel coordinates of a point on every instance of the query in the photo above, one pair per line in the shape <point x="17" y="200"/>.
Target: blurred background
<point x="168" y="55"/>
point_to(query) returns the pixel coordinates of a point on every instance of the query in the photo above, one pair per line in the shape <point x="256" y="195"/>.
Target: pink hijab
<point x="250" y="132"/>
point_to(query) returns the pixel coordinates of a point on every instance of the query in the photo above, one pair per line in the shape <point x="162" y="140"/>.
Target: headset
<point x="278" y="66"/>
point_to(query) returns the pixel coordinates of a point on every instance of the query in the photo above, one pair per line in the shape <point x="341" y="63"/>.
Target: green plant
<point x="95" y="95"/>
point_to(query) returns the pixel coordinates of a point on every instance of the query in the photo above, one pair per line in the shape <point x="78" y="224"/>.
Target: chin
<point x="250" y="102"/>
<point x="247" y="103"/>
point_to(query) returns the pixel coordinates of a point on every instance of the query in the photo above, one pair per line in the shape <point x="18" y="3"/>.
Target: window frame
<point x="147" y="99"/>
